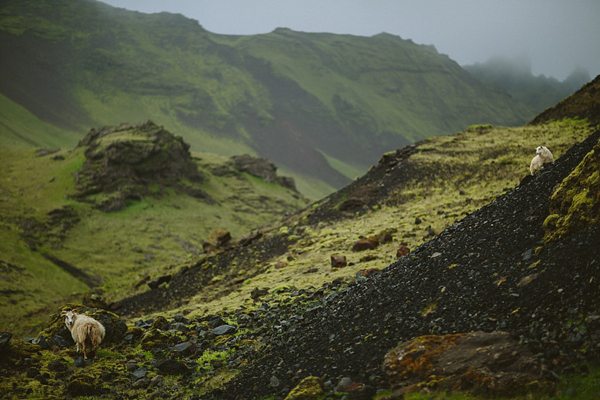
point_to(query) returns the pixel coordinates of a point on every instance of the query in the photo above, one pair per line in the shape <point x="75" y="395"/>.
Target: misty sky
<point x="556" y="35"/>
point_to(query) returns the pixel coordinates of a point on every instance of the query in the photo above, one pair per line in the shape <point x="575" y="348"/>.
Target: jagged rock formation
<point x="129" y="162"/>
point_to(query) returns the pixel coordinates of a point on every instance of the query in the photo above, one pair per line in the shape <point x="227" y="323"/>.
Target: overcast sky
<point x="556" y="35"/>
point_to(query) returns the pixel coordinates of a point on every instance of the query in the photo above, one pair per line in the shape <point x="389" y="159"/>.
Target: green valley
<point x="320" y="106"/>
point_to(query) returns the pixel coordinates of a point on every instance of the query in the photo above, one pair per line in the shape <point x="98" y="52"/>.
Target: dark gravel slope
<point x="488" y="272"/>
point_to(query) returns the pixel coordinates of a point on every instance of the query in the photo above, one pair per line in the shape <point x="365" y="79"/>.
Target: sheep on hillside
<point x="85" y="331"/>
<point x="543" y="156"/>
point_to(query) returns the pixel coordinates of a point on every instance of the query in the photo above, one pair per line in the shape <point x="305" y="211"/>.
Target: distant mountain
<point x="514" y="76"/>
<point x="323" y="107"/>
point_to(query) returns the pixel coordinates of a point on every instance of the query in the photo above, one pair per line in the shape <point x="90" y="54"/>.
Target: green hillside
<point x="57" y="240"/>
<point x="321" y="106"/>
<point x="286" y="273"/>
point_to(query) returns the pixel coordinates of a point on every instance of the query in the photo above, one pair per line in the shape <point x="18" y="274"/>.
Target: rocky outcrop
<point x="262" y="168"/>
<point x="129" y="162"/>
<point x="114" y="325"/>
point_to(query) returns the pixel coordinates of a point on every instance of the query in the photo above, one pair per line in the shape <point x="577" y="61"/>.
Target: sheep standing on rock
<point x="84" y="330"/>
<point x="543" y="156"/>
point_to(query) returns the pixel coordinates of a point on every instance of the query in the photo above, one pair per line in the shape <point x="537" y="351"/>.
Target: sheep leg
<point x="84" y="351"/>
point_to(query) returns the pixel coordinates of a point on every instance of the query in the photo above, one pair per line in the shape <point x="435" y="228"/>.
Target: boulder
<point x="309" y="388"/>
<point x="369" y="243"/>
<point x="484" y="363"/>
<point x="280" y="264"/>
<point x="257" y="166"/>
<point x="224" y="330"/>
<point x="115" y="327"/>
<point x="338" y="261"/>
<point x="368" y="272"/>
<point x="219" y="239"/>
<point x="402" y="251"/>
<point x="154" y="338"/>
<point x="154" y="284"/>
<point x="359" y="198"/>
<point x="160" y="323"/>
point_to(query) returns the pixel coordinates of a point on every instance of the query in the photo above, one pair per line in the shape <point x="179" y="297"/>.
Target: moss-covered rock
<point x="154" y="338"/>
<point x="484" y="363"/>
<point x="130" y="162"/>
<point x="310" y="388"/>
<point x="575" y="205"/>
<point x="83" y="384"/>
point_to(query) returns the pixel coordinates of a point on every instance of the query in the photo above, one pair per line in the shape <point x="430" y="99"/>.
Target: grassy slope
<point x="19" y="127"/>
<point x="146" y="238"/>
<point x="504" y="154"/>
<point x="28" y="192"/>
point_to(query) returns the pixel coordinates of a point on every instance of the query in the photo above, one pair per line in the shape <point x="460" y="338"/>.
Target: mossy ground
<point x="147" y="238"/>
<point x="572" y="385"/>
<point x="575" y="205"/>
<point x="502" y="153"/>
<point x="483" y="164"/>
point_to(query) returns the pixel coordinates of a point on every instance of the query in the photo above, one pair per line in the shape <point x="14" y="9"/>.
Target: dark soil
<point x="189" y="281"/>
<point x="489" y="272"/>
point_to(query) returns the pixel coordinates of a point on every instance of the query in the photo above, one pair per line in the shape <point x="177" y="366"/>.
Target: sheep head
<point x="69" y="318"/>
<point x="539" y="150"/>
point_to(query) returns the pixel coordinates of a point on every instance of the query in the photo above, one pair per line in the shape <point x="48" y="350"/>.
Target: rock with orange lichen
<point x="483" y="363"/>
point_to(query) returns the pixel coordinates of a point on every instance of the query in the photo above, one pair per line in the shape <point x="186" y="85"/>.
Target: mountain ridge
<point x="331" y="103"/>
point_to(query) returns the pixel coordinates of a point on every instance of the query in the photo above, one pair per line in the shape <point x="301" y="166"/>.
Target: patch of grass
<point x="209" y="356"/>
<point x="429" y="309"/>
<point x="19" y="127"/>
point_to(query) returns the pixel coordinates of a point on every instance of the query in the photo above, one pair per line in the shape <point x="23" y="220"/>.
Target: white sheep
<point x="543" y="156"/>
<point x="84" y="330"/>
